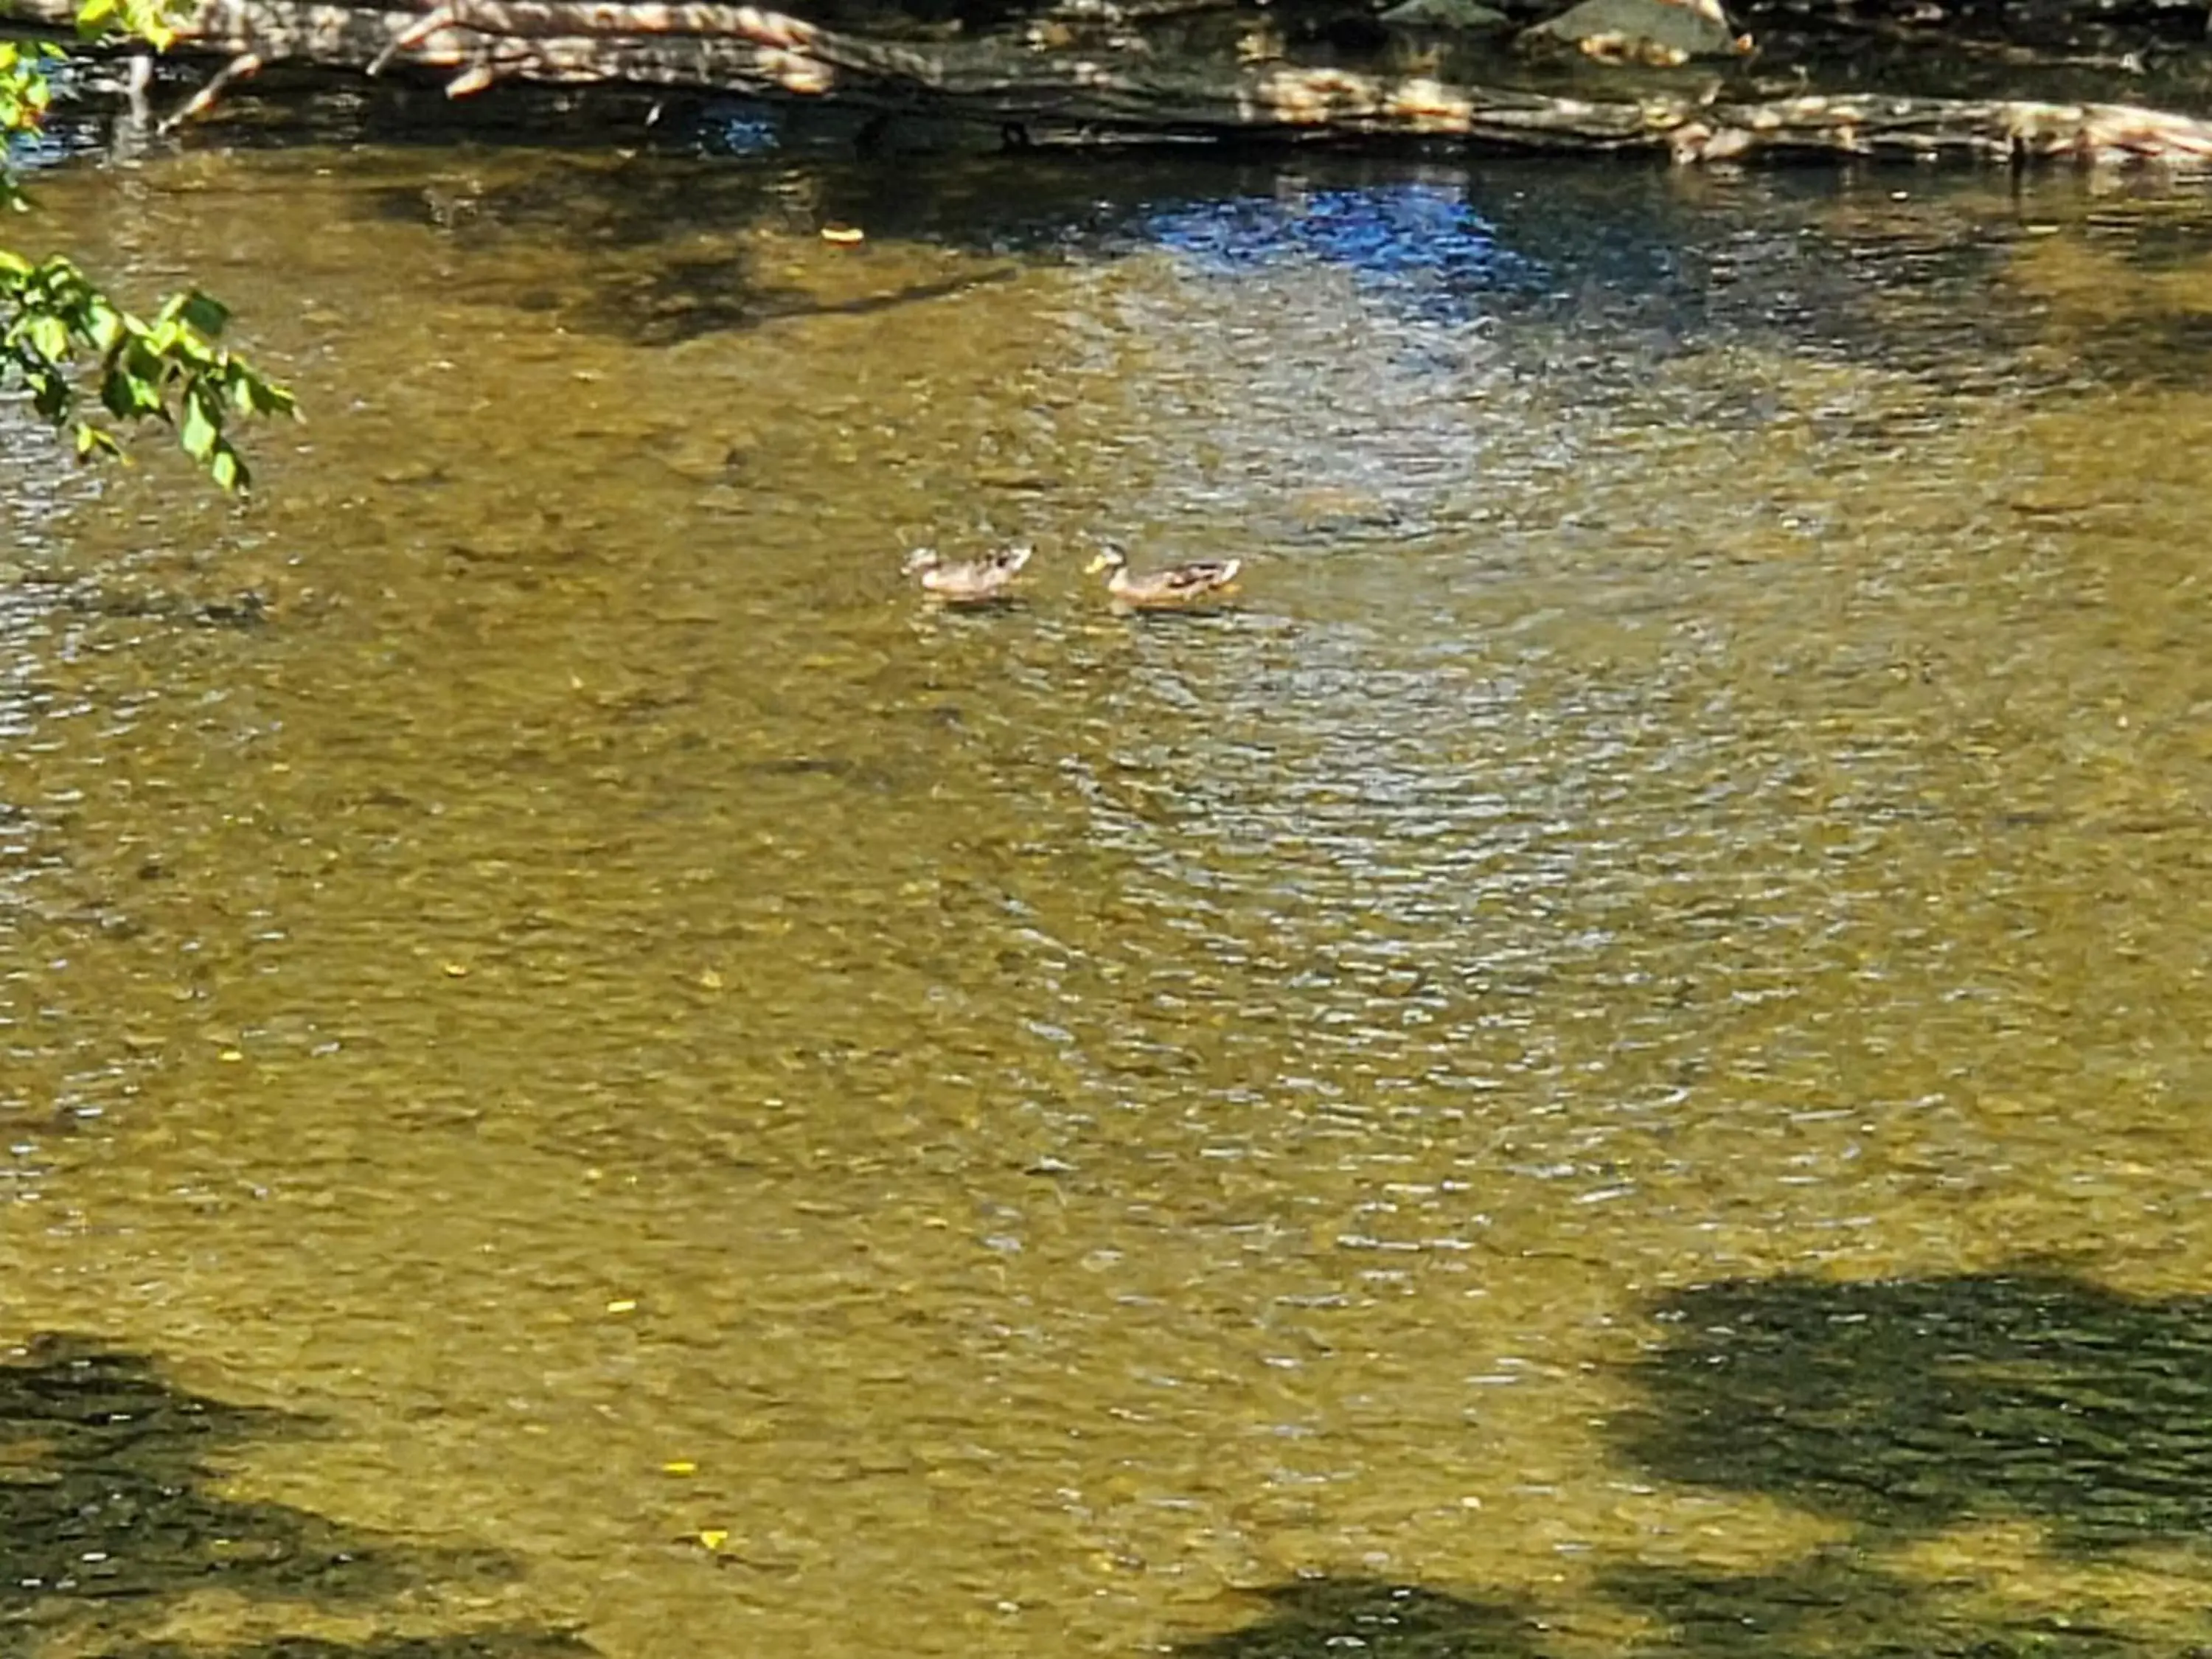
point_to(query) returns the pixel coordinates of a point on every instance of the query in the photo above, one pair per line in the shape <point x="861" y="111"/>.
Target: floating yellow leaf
<point x="679" y="1465"/>
<point x="845" y="233"/>
<point x="456" y="970"/>
<point x="230" y="1054"/>
<point x="621" y="1305"/>
<point x="711" y="979"/>
<point x="714" y="1537"/>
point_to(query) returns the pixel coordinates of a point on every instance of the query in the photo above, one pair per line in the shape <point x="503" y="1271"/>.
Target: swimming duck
<point x="1178" y="584"/>
<point x="971" y="581"/>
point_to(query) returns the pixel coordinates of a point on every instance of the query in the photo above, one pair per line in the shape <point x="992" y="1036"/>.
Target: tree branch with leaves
<point x="89" y="366"/>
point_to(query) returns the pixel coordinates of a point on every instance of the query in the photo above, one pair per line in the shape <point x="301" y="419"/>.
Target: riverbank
<point x="1601" y="76"/>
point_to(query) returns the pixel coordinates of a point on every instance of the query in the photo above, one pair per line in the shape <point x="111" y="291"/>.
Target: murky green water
<point x="1613" y="1062"/>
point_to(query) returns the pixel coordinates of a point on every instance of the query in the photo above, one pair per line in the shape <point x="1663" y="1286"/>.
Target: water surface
<point x="1611" y="1061"/>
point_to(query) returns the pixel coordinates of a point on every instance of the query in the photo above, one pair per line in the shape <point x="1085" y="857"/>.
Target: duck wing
<point x="1199" y="576"/>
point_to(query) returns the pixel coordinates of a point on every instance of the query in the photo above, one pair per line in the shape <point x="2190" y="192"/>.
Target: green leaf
<point x="206" y="313"/>
<point x="91" y="439"/>
<point x="194" y="310"/>
<point x="200" y="432"/>
<point x="229" y="470"/>
<point x="141" y="360"/>
<point x="269" y="399"/>
<point x="48" y="336"/>
<point x="128" y="398"/>
<point x="103" y="325"/>
<point x="50" y="393"/>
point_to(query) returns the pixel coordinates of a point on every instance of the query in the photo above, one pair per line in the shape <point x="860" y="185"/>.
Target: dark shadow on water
<point x="1624" y="266"/>
<point x="1831" y="1603"/>
<point x="109" y="1512"/>
<point x="686" y="300"/>
<point x="1912" y="1404"/>
<point x="1834" y="1605"/>
<point x="1329" y="1618"/>
<point x="1904" y="1408"/>
<point x="465" y="1645"/>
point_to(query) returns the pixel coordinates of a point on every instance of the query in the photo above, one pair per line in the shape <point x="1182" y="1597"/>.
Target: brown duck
<point x="970" y="582"/>
<point x="1175" y="584"/>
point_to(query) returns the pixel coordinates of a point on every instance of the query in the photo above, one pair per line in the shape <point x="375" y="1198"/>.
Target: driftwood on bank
<point x="743" y="49"/>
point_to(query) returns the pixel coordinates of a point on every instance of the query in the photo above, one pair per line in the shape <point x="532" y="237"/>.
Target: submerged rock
<point x="1661" y="32"/>
<point x="1460" y="16"/>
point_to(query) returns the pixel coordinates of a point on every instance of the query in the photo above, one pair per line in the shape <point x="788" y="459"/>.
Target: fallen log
<point x="743" y="49"/>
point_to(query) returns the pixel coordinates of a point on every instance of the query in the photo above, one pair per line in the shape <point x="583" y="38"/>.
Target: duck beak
<point x="1096" y="565"/>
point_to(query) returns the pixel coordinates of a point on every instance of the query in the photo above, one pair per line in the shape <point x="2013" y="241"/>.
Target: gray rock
<point x="1639" y="31"/>
<point x="1459" y="16"/>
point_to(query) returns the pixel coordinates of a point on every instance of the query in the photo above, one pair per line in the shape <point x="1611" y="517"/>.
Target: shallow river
<point x="1613" y="1060"/>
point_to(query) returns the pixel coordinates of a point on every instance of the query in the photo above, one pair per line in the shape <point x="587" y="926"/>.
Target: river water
<point x="1612" y="1061"/>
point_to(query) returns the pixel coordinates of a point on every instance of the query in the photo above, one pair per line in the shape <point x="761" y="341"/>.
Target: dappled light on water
<point x="1422" y="240"/>
<point x="1606" y="1062"/>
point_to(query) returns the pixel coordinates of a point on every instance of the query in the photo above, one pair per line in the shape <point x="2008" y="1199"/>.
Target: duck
<point x="1177" y="584"/>
<point x="970" y="581"/>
